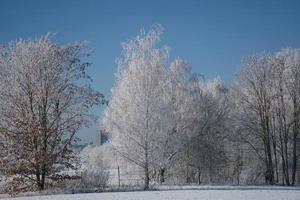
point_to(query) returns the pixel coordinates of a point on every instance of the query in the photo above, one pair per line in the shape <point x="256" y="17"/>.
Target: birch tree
<point x="135" y="114"/>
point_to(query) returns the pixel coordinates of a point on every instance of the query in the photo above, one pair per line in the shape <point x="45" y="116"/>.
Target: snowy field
<point x="187" y="193"/>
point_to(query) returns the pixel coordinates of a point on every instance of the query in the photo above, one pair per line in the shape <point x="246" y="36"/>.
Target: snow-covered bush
<point x="94" y="179"/>
<point x="94" y="170"/>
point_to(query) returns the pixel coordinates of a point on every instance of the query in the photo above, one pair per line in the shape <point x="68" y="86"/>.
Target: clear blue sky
<point x="211" y="35"/>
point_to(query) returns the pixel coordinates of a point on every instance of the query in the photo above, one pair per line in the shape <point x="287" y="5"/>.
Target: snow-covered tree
<point x="286" y="110"/>
<point x="45" y="98"/>
<point x="268" y="112"/>
<point x="160" y="113"/>
<point x="204" y="148"/>
<point x="138" y="114"/>
<point x="255" y="96"/>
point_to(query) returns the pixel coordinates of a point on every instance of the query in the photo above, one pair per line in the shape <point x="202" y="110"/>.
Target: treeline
<point x="179" y="128"/>
<point x="164" y="119"/>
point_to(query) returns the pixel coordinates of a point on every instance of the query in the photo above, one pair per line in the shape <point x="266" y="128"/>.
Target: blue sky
<point x="211" y="35"/>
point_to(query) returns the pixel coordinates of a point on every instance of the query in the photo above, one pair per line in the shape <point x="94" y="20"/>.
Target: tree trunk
<point x="43" y="180"/>
<point x="275" y="148"/>
<point x="287" y="176"/>
<point x="147" y="179"/>
<point x="38" y="181"/>
<point x="162" y="175"/>
<point x="199" y="175"/>
<point x="146" y="168"/>
<point x="295" y="134"/>
<point x="119" y="181"/>
<point x="294" y="169"/>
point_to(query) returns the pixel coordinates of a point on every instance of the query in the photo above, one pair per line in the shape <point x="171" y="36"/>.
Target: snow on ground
<point x="189" y="193"/>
